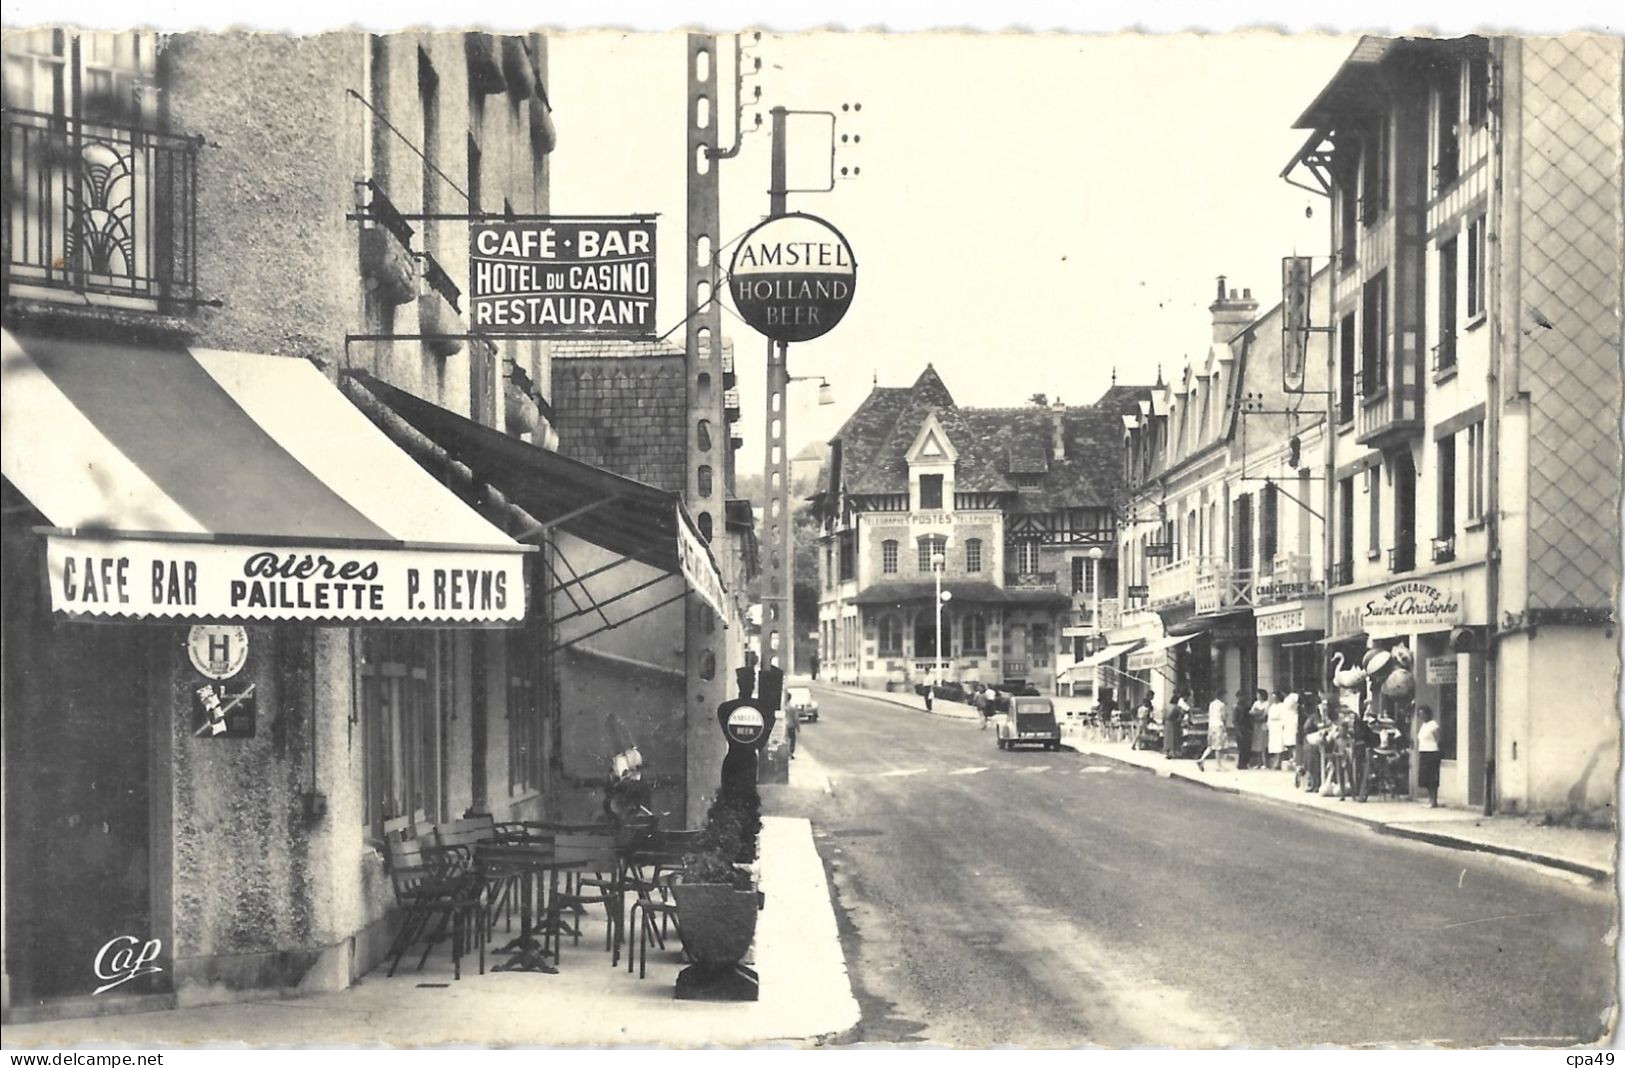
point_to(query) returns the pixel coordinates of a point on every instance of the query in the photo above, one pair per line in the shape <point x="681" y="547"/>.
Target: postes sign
<point x="792" y="277"/>
<point x="563" y="277"/>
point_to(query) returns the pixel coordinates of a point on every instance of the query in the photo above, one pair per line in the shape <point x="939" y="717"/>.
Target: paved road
<point x="1051" y="899"/>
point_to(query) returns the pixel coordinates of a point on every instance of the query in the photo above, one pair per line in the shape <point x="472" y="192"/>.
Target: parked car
<point x="1030" y="721"/>
<point x="801" y="704"/>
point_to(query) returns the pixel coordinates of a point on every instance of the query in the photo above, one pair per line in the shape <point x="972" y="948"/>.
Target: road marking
<point x="1093" y="768"/>
<point x="967" y="771"/>
<point x="902" y="771"/>
<point x="1033" y="771"/>
<point x="1494" y="919"/>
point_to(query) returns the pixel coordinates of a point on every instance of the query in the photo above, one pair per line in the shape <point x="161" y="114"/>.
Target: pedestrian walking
<point x="1427" y="753"/>
<point x="1218" y="730"/>
<point x="1289" y="731"/>
<point x="928" y="696"/>
<point x="1142" y="721"/>
<point x="1258" y="734"/>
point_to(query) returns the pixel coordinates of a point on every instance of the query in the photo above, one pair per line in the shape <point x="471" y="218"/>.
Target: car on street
<point x="1030" y="721"/>
<point x="801" y="703"/>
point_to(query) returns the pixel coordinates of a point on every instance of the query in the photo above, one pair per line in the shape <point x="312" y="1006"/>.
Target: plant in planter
<point x="717" y="905"/>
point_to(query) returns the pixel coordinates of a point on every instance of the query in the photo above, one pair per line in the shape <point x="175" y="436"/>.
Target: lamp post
<point x="1095" y="556"/>
<point x="938" y="563"/>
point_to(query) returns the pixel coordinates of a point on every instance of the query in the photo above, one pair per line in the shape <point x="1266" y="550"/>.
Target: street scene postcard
<point x="723" y="538"/>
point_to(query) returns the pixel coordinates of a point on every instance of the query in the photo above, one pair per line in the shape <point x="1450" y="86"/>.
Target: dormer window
<point x="1028" y="481"/>
<point x="930" y="492"/>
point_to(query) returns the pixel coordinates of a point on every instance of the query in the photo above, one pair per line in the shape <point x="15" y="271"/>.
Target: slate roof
<point x="993" y="444"/>
<point x="622" y="406"/>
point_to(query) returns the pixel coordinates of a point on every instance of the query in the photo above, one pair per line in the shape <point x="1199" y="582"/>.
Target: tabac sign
<point x="792" y="277"/>
<point x="562" y="277"/>
<point x="1296" y="278"/>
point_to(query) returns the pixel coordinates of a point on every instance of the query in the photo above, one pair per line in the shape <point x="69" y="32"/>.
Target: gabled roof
<point x="992" y="445"/>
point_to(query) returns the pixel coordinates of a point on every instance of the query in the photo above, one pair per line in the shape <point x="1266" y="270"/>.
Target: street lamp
<point x="1095" y="556"/>
<point x="937" y="562"/>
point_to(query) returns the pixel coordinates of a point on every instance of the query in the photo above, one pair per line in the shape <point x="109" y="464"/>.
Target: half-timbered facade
<point x="1007" y="503"/>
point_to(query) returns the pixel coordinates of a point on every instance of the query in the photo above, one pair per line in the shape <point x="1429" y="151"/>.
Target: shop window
<point x="888" y="557"/>
<point x="930" y="492"/>
<point x="401" y="703"/>
<point x="524" y="712"/>
<point x="973" y="555"/>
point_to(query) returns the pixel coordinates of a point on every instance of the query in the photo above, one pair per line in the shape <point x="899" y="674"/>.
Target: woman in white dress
<point x="1288" y="736"/>
<point x="1277" y="737"/>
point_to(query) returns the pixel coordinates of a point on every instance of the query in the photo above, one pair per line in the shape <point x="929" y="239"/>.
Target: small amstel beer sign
<point x="792" y="277"/>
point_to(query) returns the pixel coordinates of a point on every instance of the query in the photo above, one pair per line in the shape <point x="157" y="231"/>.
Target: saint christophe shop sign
<point x="792" y="277"/>
<point x="564" y="277"/>
<point x="1411" y="606"/>
<point x="133" y="579"/>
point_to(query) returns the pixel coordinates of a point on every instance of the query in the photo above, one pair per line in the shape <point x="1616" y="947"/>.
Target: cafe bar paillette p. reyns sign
<point x="563" y="277"/>
<point x="137" y="578"/>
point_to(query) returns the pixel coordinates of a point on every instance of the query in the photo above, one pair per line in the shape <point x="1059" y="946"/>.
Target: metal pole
<point x="778" y="598"/>
<point x="936" y="567"/>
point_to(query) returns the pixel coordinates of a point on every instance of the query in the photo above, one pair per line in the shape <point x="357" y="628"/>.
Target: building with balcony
<point x="1475" y="454"/>
<point x="1220" y="547"/>
<point x="288" y="576"/>
<point x="1001" y="505"/>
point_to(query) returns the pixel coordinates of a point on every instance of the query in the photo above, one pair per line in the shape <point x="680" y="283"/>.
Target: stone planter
<point x="484" y="64"/>
<point x="516" y="67"/>
<point x="521" y="413"/>
<point x="437" y="316"/>
<point x="388" y="266"/>
<point x="717" y="921"/>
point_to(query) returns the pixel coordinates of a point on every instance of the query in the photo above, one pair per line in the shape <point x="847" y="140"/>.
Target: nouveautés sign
<point x="134" y="579"/>
<point x="792" y="277"/>
<point x="563" y="277"/>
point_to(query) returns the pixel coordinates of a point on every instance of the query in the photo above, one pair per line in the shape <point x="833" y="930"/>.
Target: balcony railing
<point x="1291" y="579"/>
<point x="1172" y="583"/>
<point x="1444" y="353"/>
<point x="1402" y="557"/>
<point x="100" y="207"/>
<point x="1029" y="580"/>
<point x="1343" y="573"/>
<point x="1220" y="586"/>
<point x="1444" y="549"/>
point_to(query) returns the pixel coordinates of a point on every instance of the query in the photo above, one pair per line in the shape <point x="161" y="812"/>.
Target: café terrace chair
<point x="503" y="882"/>
<point x="655" y="870"/>
<point x="435" y="888"/>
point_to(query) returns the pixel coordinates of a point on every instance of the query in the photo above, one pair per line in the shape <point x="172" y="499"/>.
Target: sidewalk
<point x="1584" y="852"/>
<point x="805" y="992"/>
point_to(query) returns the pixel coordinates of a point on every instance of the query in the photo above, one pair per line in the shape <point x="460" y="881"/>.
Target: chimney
<point x="1056" y="413"/>
<point x="1231" y="311"/>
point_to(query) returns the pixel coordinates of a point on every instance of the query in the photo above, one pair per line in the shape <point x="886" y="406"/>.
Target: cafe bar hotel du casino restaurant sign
<point x="563" y="276"/>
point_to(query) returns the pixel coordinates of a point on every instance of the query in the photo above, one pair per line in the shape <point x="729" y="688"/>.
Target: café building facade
<point x="289" y="565"/>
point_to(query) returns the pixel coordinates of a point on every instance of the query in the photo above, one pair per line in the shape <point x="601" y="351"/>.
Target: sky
<point x="1030" y="212"/>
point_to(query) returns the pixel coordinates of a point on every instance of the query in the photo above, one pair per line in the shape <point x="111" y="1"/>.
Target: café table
<point x="534" y="859"/>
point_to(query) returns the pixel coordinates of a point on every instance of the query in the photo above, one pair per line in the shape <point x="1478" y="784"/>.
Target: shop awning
<point x="1152" y="655"/>
<point x="202" y="484"/>
<point x="1107" y="655"/>
<point x="629" y="518"/>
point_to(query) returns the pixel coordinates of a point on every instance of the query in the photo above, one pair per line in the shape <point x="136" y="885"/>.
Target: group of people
<point x="1331" y="750"/>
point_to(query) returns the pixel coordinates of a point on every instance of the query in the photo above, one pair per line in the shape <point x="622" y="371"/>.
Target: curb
<point x="1437" y="838"/>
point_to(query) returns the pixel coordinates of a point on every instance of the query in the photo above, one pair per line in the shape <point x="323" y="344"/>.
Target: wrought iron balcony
<point x="1444" y="549"/>
<point x="1343" y="573"/>
<point x="1402" y="557"/>
<point x="1444" y="353"/>
<point x="100" y="207"/>
<point x="1030" y="580"/>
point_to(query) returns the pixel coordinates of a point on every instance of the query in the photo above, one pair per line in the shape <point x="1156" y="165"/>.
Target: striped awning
<point x="203" y="484"/>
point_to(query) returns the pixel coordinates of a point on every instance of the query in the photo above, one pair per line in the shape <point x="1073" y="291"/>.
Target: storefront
<point x="1289" y="646"/>
<point x="204" y="552"/>
<point x="1434" y="619"/>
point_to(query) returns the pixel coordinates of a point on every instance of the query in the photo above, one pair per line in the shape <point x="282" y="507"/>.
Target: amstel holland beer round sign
<point x="792" y="277"/>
